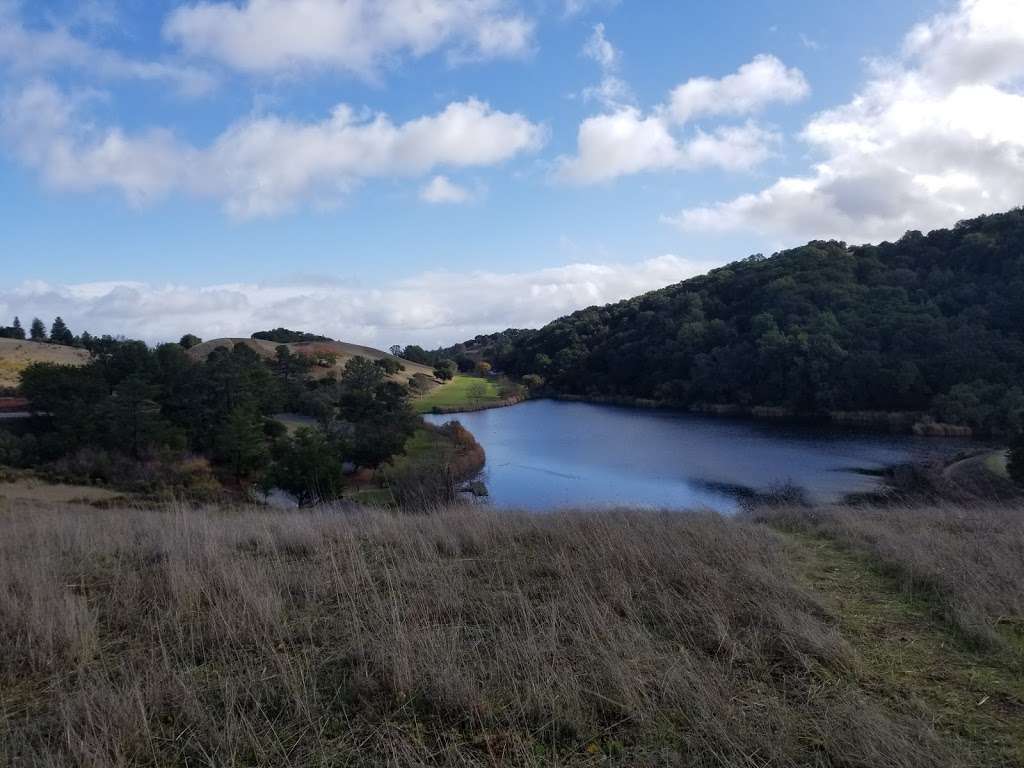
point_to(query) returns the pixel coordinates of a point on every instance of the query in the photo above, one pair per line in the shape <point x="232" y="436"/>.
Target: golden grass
<point x="17" y="355"/>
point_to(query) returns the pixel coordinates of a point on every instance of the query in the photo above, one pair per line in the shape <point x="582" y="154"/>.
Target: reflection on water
<point x="546" y="454"/>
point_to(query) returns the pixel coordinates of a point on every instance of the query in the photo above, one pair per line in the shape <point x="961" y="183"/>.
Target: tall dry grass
<point x="969" y="560"/>
<point x="464" y="638"/>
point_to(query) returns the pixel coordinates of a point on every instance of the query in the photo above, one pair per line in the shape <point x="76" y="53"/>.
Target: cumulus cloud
<point x="441" y="189"/>
<point x="625" y="140"/>
<point x="280" y="36"/>
<point x="930" y="138"/>
<point x="752" y="87"/>
<point x="34" y="51"/>
<point x="429" y="309"/>
<point x="260" y="165"/>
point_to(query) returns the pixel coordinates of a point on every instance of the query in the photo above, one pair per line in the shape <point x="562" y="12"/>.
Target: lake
<point x="546" y="454"/>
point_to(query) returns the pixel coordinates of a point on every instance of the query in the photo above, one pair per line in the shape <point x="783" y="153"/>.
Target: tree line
<point x="59" y="333"/>
<point x="931" y="323"/>
<point x="133" y="406"/>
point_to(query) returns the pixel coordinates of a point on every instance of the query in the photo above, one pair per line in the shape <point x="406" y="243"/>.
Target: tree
<point x="477" y="391"/>
<point x="14" y="331"/>
<point x="445" y="370"/>
<point x="396" y="350"/>
<point x="241" y="444"/>
<point x="483" y="368"/>
<point x="1015" y="465"/>
<point x="135" y="421"/>
<point x="60" y="333"/>
<point x="389" y="365"/>
<point x="37" y="331"/>
<point x="308" y="466"/>
<point x="190" y="340"/>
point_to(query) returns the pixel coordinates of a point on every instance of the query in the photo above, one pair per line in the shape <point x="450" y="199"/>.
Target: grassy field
<point x="460" y="392"/>
<point x="466" y="638"/>
<point x="16" y="355"/>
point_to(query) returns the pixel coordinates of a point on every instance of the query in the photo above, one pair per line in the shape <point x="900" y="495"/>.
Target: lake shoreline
<point x="877" y="422"/>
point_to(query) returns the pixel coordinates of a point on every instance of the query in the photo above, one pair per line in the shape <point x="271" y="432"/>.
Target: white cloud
<point x="928" y="140"/>
<point x="753" y="86"/>
<point x="441" y="189"/>
<point x="576" y="7"/>
<point x="600" y="49"/>
<point x="612" y="91"/>
<point x="624" y="140"/>
<point x="34" y="51"/>
<point x="260" y="165"/>
<point x="627" y="142"/>
<point x="429" y="309"/>
<point x="275" y="36"/>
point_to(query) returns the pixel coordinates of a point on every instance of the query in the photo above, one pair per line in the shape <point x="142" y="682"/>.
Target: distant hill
<point x="317" y="350"/>
<point x="288" y="336"/>
<point x="16" y="355"/>
<point x="931" y="323"/>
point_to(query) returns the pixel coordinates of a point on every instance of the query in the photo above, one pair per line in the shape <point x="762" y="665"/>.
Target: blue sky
<point x="423" y="170"/>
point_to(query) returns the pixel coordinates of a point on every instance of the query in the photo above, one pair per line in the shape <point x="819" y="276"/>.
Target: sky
<point x="421" y="171"/>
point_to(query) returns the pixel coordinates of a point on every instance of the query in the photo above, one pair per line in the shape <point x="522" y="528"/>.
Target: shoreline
<point x="878" y="422"/>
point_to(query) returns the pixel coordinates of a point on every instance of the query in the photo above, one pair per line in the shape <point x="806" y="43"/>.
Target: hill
<point x="333" y="354"/>
<point x="931" y="324"/>
<point x="16" y="355"/>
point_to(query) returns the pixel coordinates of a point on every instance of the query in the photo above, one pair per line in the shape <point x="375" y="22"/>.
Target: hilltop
<point x="332" y="355"/>
<point x="16" y="355"/>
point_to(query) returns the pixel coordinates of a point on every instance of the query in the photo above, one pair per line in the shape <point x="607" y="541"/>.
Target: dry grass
<point x="341" y="351"/>
<point x="967" y="560"/>
<point x="17" y="355"/>
<point x="457" y="639"/>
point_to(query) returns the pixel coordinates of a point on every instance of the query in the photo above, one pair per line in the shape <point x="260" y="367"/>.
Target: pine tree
<point x="241" y="443"/>
<point x="19" y="332"/>
<point x="37" y="332"/>
<point x="60" y="333"/>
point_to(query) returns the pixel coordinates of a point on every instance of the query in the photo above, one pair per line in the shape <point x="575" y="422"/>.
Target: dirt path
<point x="914" y="662"/>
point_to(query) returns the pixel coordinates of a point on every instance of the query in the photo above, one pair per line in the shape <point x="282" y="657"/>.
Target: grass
<point x="455" y="639"/>
<point x="16" y="355"/>
<point x="905" y="655"/>
<point x="460" y="392"/>
<point x="826" y="637"/>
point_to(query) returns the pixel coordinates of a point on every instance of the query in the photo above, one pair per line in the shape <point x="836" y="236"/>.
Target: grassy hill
<point x="341" y="351"/>
<point x="16" y="355"/>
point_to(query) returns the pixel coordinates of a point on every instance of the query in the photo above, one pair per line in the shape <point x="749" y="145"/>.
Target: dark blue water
<point x="547" y="454"/>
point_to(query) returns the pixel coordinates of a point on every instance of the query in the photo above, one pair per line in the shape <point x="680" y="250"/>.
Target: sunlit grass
<point x="460" y="392"/>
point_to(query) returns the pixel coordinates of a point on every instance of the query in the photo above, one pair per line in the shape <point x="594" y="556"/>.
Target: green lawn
<point x="460" y="392"/>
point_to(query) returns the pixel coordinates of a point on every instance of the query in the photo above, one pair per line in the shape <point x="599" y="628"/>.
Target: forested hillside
<point x="931" y="323"/>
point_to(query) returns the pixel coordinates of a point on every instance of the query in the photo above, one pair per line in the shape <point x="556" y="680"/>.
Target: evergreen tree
<point x="135" y="421"/>
<point x="190" y="340"/>
<point x="37" y="331"/>
<point x="241" y="443"/>
<point x="308" y="466"/>
<point x="60" y="333"/>
<point x="18" y="331"/>
<point x="1015" y="466"/>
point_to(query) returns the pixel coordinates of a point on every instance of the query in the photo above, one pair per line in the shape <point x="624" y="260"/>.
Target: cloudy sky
<point x="419" y="171"/>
